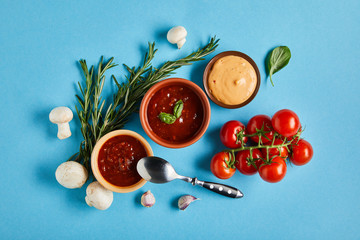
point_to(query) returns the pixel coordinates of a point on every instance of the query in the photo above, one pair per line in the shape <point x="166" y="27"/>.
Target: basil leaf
<point x="167" y="118"/>
<point x="179" y="106"/>
<point x="279" y="58"/>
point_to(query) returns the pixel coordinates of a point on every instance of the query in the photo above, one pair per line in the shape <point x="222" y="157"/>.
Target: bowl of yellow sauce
<point x="231" y="79"/>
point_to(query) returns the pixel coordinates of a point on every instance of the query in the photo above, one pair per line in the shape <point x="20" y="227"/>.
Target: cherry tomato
<point x="242" y="163"/>
<point x="274" y="172"/>
<point x="294" y="139"/>
<point x="219" y="167"/>
<point x="275" y="151"/>
<point x="302" y="152"/>
<point x="286" y="122"/>
<point x="228" y="134"/>
<point x="257" y="122"/>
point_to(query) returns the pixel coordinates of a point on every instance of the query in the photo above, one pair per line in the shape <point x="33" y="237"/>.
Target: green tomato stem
<point x="260" y="133"/>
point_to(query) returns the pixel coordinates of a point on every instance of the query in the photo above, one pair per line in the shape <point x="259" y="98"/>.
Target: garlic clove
<point x="184" y="201"/>
<point x="147" y="199"/>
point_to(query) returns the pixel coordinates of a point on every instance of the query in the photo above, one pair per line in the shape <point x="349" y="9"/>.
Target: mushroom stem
<point x="88" y="202"/>
<point x="181" y="43"/>
<point x="63" y="130"/>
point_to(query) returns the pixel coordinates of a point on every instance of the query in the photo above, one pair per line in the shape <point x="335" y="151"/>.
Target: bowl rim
<point x="95" y="154"/>
<point x="174" y="81"/>
<point x="208" y="69"/>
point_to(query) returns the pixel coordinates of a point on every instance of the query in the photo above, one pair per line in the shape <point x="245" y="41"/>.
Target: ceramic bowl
<point x="168" y="82"/>
<point x="95" y="166"/>
<point x="209" y="67"/>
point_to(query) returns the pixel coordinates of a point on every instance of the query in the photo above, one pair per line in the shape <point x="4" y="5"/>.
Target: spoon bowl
<point x="156" y="170"/>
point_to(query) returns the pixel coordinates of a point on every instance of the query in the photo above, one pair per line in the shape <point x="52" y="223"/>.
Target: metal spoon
<point x="158" y="170"/>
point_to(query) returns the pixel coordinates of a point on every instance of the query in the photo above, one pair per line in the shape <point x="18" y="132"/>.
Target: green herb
<point x="95" y="120"/>
<point x="171" y="118"/>
<point x="167" y="118"/>
<point x="179" y="106"/>
<point x="278" y="59"/>
<point x="91" y="107"/>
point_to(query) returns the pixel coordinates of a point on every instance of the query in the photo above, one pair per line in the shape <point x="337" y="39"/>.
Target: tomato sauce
<point x="118" y="158"/>
<point x="187" y="125"/>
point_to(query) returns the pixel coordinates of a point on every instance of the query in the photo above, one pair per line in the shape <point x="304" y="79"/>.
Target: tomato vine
<point x="260" y="145"/>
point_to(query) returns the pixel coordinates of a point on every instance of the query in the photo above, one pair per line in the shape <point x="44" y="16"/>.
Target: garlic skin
<point x="99" y="197"/>
<point x="177" y="35"/>
<point x="71" y="174"/>
<point x="184" y="201"/>
<point x="147" y="199"/>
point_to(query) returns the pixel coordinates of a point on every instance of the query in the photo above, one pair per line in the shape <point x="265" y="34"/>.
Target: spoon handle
<point x="222" y="189"/>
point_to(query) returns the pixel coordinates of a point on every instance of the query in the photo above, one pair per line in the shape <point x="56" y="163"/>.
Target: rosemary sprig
<point x="169" y="67"/>
<point x="138" y="85"/>
<point x="91" y="107"/>
<point x="94" y="122"/>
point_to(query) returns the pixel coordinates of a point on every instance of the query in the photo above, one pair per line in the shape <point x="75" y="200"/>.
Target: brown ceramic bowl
<point x="209" y="67"/>
<point x="95" y="165"/>
<point x="168" y="82"/>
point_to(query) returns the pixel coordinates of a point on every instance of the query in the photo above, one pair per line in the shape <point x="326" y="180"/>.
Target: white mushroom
<point x="177" y="35"/>
<point x="99" y="197"/>
<point x="62" y="116"/>
<point x="71" y="174"/>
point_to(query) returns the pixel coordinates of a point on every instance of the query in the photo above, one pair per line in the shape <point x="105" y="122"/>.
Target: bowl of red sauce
<point x="114" y="159"/>
<point x="189" y="127"/>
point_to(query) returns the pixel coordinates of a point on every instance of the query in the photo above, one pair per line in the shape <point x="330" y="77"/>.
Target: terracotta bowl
<point x="95" y="166"/>
<point x="168" y="82"/>
<point x="209" y="67"/>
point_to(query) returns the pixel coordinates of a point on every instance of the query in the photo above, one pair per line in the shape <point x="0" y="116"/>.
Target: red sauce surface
<point x="117" y="160"/>
<point x="191" y="117"/>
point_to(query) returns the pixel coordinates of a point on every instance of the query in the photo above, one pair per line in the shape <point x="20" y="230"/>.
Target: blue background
<point x="40" y="44"/>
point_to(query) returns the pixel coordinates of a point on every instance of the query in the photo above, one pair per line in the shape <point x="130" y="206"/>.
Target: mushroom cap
<point x="176" y="34"/>
<point x="61" y="115"/>
<point x="71" y="174"/>
<point x="99" y="197"/>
